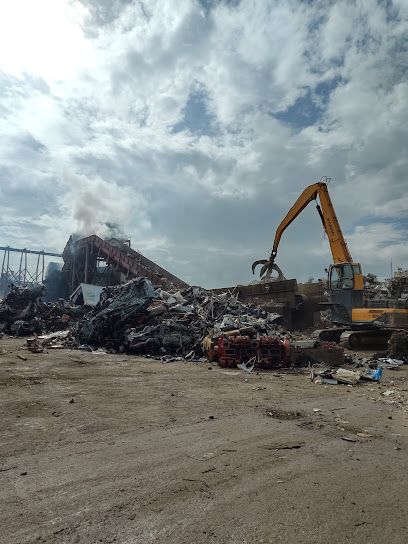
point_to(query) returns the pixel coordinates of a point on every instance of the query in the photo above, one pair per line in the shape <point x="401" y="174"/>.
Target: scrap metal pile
<point x="140" y="319"/>
<point x="392" y="288"/>
<point x="22" y="312"/>
<point x="137" y="318"/>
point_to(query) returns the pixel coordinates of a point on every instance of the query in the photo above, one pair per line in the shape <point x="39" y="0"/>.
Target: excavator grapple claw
<point x="256" y="263"/>
<point x="268" y="266"/>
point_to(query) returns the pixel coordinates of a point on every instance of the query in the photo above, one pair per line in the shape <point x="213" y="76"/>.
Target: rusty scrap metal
<point x="81" y="255"/>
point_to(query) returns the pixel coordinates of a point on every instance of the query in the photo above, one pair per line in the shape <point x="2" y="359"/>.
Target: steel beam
<point x="33" y="251"/>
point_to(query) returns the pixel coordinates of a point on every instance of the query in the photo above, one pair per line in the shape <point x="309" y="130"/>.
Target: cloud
<point x="196" y="125"/>
<point x="43" y="38"/>
<point x="379" y="244"/>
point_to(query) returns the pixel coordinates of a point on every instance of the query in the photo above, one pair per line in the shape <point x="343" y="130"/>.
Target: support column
<point x="3" y="263"/>
<point x="73" y="274"/>
<point x="36" y="270"/>
<point x="86" y="264"/>
<point x="25" y="267"/>
<point x="20" y="269"/>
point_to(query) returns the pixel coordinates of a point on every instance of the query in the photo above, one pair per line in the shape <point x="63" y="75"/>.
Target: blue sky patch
<point x="196" y="117"/>
<point x="308" y="109"/>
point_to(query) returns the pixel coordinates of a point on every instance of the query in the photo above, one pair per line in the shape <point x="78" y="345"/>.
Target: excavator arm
<point x="331" y="226"/>
<point x="345" y="280"/>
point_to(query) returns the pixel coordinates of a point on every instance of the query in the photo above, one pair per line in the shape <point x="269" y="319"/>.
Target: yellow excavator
<point x="359" y="322"/>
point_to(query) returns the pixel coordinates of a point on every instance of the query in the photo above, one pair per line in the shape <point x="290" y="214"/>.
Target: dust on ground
<point x="119" y="449"/>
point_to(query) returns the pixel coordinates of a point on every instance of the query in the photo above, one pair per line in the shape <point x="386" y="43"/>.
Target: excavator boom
<point x="338" y="245"/>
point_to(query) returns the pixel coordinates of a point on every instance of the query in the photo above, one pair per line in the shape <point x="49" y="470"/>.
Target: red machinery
<point x="272" y="352"/>
<point x="267" y="352"/>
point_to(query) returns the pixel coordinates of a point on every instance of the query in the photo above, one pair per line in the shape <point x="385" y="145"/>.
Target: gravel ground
<point x="113" y="448"/>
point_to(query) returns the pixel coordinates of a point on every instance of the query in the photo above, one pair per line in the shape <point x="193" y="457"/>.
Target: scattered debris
<point x="327" y="381"/>
<point x="388" y="362"/>
<point x="21" y="357"/>
<point x="343" y="375"/>
<point x="34" y="345"/>
<point x="48" y="339"/>
<point x="283" y="414"/>
<point x="330" y="376"/>
<point x="398" y="344"/>
<point x="8" y="468"/>
<point x="388" y="393"/>
<point x="287" y="446"/>
<point x="372" y="374"/>
<point x="247" y="367"/>
<point x="170" y="359"/>
<point x="208" y="470"/>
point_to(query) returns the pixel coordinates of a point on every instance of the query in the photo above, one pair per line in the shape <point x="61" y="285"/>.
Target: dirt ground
<point x="113" y="448"/>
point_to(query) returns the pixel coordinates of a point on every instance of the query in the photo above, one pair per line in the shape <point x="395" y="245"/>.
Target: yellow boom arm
<point x="338" y="245"/>
<point x="328" y="216"/>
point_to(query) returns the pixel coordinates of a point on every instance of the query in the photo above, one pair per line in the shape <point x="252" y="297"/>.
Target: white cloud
<point x="378" y="244"/>
<point x="42" y="38"/>
<point x="94" y="88"/>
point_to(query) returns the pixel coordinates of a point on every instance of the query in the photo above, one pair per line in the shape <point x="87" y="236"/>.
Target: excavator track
<point x="329" y="335"/>
<point x="359" y="339"/>
<point x="366" y="339"/>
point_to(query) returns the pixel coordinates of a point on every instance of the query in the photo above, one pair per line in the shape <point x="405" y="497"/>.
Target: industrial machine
<point x="360" y="322"/>
<point x="230" y="351"/>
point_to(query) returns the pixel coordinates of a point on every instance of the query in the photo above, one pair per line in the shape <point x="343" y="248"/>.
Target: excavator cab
<point x="346" y="276"/>
<point x="346" y="290"/>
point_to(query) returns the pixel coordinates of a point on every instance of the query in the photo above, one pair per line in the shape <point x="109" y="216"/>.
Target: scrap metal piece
<point x="248" y="366"/>
<point x="34" y="345"/>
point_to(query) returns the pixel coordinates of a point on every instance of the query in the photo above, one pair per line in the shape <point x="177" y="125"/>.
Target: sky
<point x="195" y="124"/>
